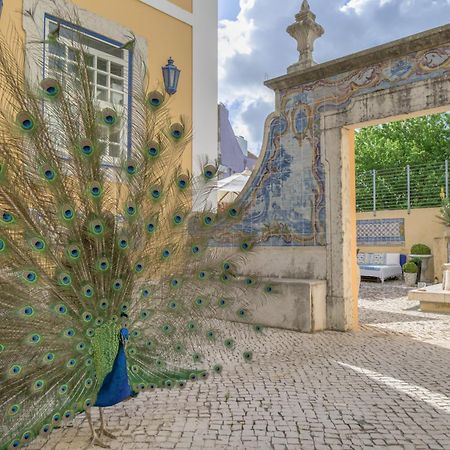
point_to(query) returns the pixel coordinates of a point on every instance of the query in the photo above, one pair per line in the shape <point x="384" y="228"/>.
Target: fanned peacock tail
<point x="87" y="249"/>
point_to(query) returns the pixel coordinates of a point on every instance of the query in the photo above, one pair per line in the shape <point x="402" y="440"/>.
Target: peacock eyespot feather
<point x="13" y="409"/>
<point x="98" y="321"/>
<point x="209" y="171"/>
<point x="88" y="362"/>
<point x="155" y="99"/>
<point x="7" y="218"/>
<point x="81" y="346"/>
<point x="222" y="302"/>
<point x="2" y="245"/>
<point x="68" y="213"/>
<point x="191" y="326"/>
<point x="35" y="338"/>
<point x="226" y="266"/>
<point x="135" y="369"/>
<point x="179" y="348"/>
<point x="87" y="291"/>
<point x="218" y="368"/>
<point x="242" y="312"/>
<point x="144" y="314"/>
<point x="258" y="328"/>
<point x="132" y="351"/>
<point x="45" y="429"/>
<point x="153" y="150"/>
<point x="117" y="285"/>
<point x="103" y="264"/>
<point x="95" y="190"/>
<point x="199" y="302"/>
<point x="178" y="219"/>
<point x="71" y="363"/>
<point x="49" y="357"/>
<point x="177" y="131"/>
<point x="88" y="382"/>
<point x="183" y="182"/>
<point x="229" y="343"/>
<point x="167" y="329"/>
<point x="204" y="375"/>
<point x="233" y="212"/>
<point x="49" y="174"/>
<point x="87" y="150"/>
<point x="73" y="252"/>
<point x="208" y="219"/>
<point x="195" y="249"/>
<point x="123" y="244"/>
<point x="124" y="307"/>
<point x="155" y="193"/>
<point x="138" y="267"/>
<point x="174" y="283"/>
<point x="15" y="370"/>
<point x="51" y="88"/>
<point x="90" y="332"/>
<point x="172" y="305"/>
<point x="62" y="390"/>
<point x="38" y="385"/>
<point x="151" y="228"/>
<point x="196" y="357"/>
<point x="268" y="289"/>
<point x="87" y="402"/>
<point x="181" y="384"/>
<point x="28" y="311"/>
<point x="166" y="253"/>
<point x="249" y="281"/>
<point x="193" y="377"/>
<point x="67" y="414"/>
<point x="96" y="227"/>
<point x="61" y="309"/>
<point x="70" y="332"/>
<point x="38" y="244"/>
<point x="135" y="333"/>
<point x="168" y="384"/>
<point x="159" y="363"/>
<point x="248" y="356"/>
<point x="87" y="316"/>
<point x="104" y="305"/>
<point x="145" y="293"/>
<point x="202" y="275"/>
<point x="30" y="276"/>
<point x="15" y="443"/>
<point x="211" y="334"/>
<point x="26" y="121"/>
<point x="245" y="246"/>
<point x="109" y="117"/>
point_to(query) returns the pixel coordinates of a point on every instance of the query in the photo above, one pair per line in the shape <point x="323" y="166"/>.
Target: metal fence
<point x="402" y="187"/>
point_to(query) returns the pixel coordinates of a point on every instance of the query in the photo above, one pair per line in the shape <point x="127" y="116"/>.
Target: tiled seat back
<point x="362" y="258"/>
<point x="377" y="259"/>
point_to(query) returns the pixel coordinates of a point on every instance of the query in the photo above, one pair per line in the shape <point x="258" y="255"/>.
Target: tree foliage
<point x="423" y="143"/>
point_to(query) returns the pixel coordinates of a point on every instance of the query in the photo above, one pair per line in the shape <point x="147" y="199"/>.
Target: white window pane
<point x="56" y="64"/>
<point x="102" y="94"/>
<point x="102" y="80"/>
<point x="116" y="69"/>
<point x="55" y="48"/>
<point x="116" y="98"/>
<point x="117" y="84"/>
<point x="89" y="60"/>
<point x="91" y="75"/>
<point x="102" y="64"/>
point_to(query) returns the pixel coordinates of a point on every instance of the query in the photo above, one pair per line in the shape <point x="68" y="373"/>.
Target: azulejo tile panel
<point x="287" y="192"/>
<point x="381" y="232"/>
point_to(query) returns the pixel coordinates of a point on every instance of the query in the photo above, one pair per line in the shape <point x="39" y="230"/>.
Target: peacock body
<point x="109" y="282"/>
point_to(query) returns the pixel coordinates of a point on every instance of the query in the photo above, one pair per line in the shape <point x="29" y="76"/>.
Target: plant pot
<point x="426" y="269"/>
<point x="410" y="279"/>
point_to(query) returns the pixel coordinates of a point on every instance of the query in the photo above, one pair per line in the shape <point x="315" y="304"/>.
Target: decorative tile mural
<point x="381" y="232"/>
<point x="287" y="192"/>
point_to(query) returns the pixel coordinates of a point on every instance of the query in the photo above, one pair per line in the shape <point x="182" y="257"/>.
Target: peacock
<point x="112" y="281"/>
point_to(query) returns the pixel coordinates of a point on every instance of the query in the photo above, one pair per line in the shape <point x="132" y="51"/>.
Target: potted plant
<point x="421" y="256"/>
<point x="410" y="270"/>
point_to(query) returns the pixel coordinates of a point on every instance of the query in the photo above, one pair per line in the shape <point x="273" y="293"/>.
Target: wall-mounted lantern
<point x="171" y="75"/>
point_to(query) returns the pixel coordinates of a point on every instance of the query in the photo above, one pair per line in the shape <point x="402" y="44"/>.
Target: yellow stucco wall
<point x="165" y="36"/>
<point x="185" y="4"/>
<point x="421" y="227"/>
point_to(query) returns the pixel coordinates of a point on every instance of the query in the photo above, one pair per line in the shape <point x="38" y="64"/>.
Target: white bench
<point x="380" y="265"/>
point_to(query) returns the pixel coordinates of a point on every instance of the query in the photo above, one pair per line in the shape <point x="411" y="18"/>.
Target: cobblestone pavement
<point x="386" y="386"/>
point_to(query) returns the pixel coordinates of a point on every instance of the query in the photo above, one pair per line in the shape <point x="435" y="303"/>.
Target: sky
<point x="254" y="46"/>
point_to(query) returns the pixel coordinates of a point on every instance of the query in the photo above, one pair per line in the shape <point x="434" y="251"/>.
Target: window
<point x="108" y="74"/>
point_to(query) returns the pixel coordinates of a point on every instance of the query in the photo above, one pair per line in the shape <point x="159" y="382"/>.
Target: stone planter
<point x="410" y="279"/>
<point x="427" y="268"/>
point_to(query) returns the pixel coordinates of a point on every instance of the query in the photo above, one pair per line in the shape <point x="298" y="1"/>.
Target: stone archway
<point x="305" y="181"/>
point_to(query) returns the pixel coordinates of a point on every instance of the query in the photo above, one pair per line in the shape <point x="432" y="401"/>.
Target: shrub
<point x="444" y="216"/>
<point x="420" y="249"/>
<point x="410" y="267"/>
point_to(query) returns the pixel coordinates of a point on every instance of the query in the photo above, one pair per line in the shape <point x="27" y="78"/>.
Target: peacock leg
<point x="95" y="440"/>
<point x="103" y="430"/>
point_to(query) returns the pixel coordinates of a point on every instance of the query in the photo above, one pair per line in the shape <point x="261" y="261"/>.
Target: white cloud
<point x="255" y="46"/>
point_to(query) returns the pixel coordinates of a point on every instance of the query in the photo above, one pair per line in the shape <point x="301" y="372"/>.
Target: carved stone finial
<point x="305" y="30"/>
